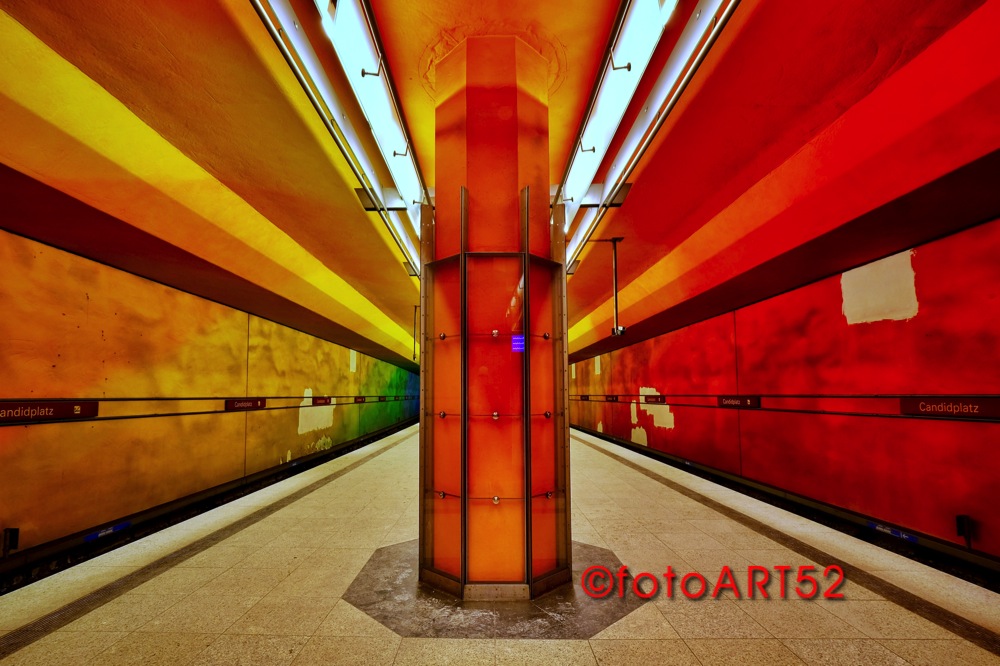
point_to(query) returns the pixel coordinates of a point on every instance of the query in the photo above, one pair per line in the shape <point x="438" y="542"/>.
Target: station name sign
<point x="322" y="401"/>
<point x="42" y="411"/>
<point x="951" y="407"/>
<point x="245" y="404"/>
<point x="739" y="401"/>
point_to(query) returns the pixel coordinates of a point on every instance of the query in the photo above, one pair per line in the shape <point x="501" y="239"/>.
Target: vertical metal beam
<point x="562" y="356"/>
<point x="526" y="375"/>
<point x="618" y="329"/>
<point x="464" y="399"/>
<point x="426" y="381"/>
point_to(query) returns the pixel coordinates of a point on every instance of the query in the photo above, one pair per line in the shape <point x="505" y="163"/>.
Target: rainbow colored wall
<point x="839" y="367"/>
<point x="160" y="364"/>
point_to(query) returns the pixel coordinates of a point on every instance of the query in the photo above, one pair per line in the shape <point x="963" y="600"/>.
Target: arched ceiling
<point x="799" y="148"/>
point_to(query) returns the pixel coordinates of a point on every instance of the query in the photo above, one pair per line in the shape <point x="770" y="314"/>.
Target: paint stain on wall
<point x="883" y="290"/>
<point x="314" y="418"/>
<point x="662" y="416"/>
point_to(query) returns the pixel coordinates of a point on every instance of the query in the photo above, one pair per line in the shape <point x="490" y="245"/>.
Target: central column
<point x="494" y="435"/>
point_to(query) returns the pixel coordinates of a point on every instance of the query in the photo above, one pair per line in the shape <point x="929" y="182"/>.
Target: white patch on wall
<point x="354" y="361"/>
<point x="639" y="436"/>
<point x="600" y="426"/>
<point x="597" y="365"/>
<point x="662" y="416"/>
<point x="572" y="370"/>
<point x="314" y="418"/>
<point x="884" y="290"/>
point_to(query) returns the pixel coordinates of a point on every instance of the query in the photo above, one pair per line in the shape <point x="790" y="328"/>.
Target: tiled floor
<point x="260" y="581"/>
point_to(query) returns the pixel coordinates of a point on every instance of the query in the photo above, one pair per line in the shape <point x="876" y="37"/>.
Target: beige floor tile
<point x="797" y="619"/>
<point x="65" y="648"/>
<point x="179" y="580"/>
<point x="346" y="620"/>
<point x="289" y="616"/>
<point x="154" y="649"/>
<point x="244" y="582"/>
<point x="548" y="652"/>
<point x="643" y="653"/>
<point x="245" y="650"/>
<point x="346" y="559"/>
<point x="219" y="557"/>
<point x="270" y="557"/>
<point x="713" y="559"/>
<point x="654" y="561"/>
<point x="254" y="537"/>
<point x="659" y="524"/>
<point x="400" y="535"/>
<point x="710" y="618"/>
<point x="206" y="613"/>
<point x="689" y="540"/>
<point x="126" y="613"/>
<point x="743" y="652"/>
<point x="645" y="622"/>
<point x="300" y="538"/>
<point x="633" y="541"/>
<point x="774" y="556"/>
<point x="746" y="541"/>
<point x="590" y="537"/>
<point x="308" y="582"/>
<point x="884" y="619"/>
<point x="356" y="538"/>
<point x="843" y="652"/>
<point x="459" y="651"/>
<point x="363" y="651"/>
<point x="721" y="525"/>
<point x="934" y="652"/>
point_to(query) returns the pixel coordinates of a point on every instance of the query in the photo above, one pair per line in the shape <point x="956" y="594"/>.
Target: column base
<point x="496" y="592"/>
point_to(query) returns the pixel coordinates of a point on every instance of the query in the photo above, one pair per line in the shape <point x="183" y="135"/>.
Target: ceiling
<point x="813" y="137"/>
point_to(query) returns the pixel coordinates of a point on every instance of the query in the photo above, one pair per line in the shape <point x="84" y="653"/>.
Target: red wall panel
<point x="918" y="474"/>
<point x="800" y="341"/>
<point x="822" y="379"/>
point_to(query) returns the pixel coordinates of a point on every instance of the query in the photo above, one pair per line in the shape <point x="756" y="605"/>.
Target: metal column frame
<point x="526" y="376"/>
<point x="561" y="411"/>
<point x="557" y="282"/>
<point x="464" y="399"/>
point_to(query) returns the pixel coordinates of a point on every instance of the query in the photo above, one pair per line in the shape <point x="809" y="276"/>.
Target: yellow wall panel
<point x="74" y="328"/>
<point x="60" y="478"/>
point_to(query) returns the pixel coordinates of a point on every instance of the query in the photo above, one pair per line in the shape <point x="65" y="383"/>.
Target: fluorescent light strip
<point x="352" y="40"/>
<point x="672" y="73"/>
<point x="314" y="72"/>
<point x="639" y="34"/>
<point x="680" y="67"/>
<point x="320" y="91"/>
